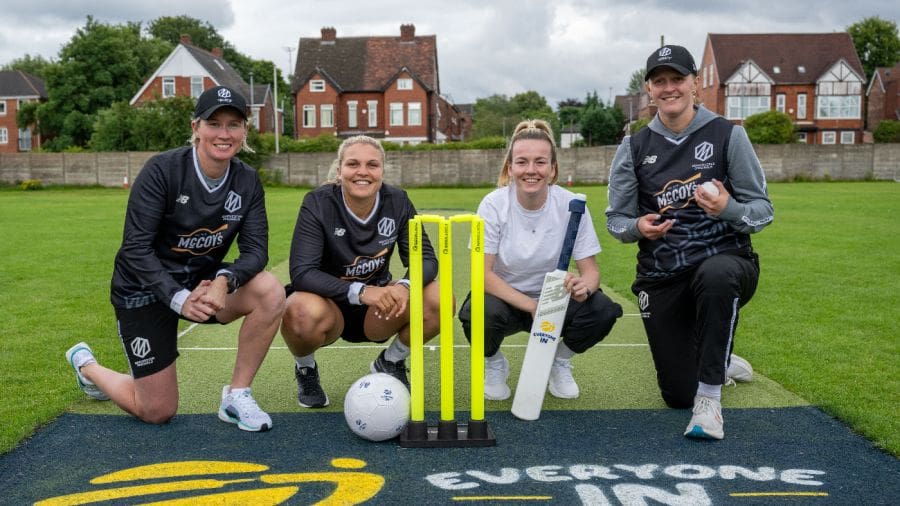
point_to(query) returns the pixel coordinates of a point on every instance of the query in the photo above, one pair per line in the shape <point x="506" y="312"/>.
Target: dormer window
<point x="317" y="85"/>
<point x="405" y="84"/>
<point x="801" y="69"/>
<point x="776" y="69"/>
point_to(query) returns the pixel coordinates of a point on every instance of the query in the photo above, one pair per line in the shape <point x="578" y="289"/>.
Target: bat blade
<point x="541" y="350"/>
<point x="547" y="326"/>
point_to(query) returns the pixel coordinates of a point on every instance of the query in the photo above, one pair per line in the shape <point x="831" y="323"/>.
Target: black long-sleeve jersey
<point x="177" y="230"/>
<point x="332" y="248"/>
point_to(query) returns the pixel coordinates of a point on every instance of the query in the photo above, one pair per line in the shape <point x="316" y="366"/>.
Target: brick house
<point x="815" y="78"/>
<point x="386" y="87"/>
<point x="883" y="96"/>
<point x="189" y="70"/>
<point x="17" y="88"/>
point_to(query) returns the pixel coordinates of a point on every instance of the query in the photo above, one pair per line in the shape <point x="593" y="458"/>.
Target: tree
<point x="600" y="124"/>
<point x="100" y="65"/>
<point x="770" y="127"/>
<point x="636" y="83"/>
<point x="498" y="115"/>
<point x="35" y="65"/>
<point x="569" y="112"/>
<point x="876" y="42"/>
<point x="157" y="125"/>
<point x="202" y="34"/>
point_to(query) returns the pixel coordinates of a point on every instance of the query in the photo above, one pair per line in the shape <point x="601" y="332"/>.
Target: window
<point x="779" y="102"/>
<point x="309" y="116"/>
<point x="351" y="114"/>
<point x="4" y="136"/>
<point x="848" y="137"/>
<point x="414" y="114"/>
<point x="317" y="85"/>
<point x="196" y="86"/>
<point x="801" y="137"/>
<point x="168" y="87"/>
<point x="404" y="84"/>
<point x="396" y="114"/>
<point x="828" y="138"/>
<point x="838" y="106"/>
<point x="801" y="106"/>
<point x="373" y="113"/>
<point x="254" y="118"/>
<point x="24" y="139"/>
<point x="741" y="107"/>
<point x="2" y="107"/>
<point x="326" y="114"/>
<point x="776" y="69"/>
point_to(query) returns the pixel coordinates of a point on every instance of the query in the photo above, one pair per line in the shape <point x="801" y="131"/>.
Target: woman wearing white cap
<point x="186" y="208"/>
<point x="689" y="190"/>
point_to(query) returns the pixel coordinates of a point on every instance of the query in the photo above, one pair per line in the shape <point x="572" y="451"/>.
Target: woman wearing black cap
<point x="186" y="208"/>
<point x="690" y="190"/>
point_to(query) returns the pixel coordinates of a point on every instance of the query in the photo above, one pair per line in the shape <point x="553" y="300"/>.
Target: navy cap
<point x="213" y="99"/>
<point x="675" y="57"/>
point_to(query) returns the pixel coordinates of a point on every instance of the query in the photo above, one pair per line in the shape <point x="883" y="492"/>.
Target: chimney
<point x="217" y="52"/>
<point x="407" y="33"/>
<point x="186" y="39"/>
<point x="329" y="34"/>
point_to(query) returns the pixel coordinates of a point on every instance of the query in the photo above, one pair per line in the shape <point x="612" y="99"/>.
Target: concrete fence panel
<point x="459" y="167"/>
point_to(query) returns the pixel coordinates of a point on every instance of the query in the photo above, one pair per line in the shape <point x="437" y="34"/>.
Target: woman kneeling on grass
<point x="690" y="190"/>
<point x="186" y="208"/>
<point x="341" y="282"/>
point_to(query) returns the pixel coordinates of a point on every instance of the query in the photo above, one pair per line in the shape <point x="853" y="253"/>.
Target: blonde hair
<point x="196" y="138"/>
<point x="536" y="129"/>
<point x="350" y="141"/>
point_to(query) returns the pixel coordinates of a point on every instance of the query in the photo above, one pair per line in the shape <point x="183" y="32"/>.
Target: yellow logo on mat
<point x="547" y="326"/>
<point x="349" y="487"/>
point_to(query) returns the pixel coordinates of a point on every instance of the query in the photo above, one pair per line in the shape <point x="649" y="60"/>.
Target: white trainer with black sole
<point x="240" y="408"/>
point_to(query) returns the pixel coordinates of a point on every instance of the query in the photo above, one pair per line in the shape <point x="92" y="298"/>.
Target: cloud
<point x="559" y="48"/>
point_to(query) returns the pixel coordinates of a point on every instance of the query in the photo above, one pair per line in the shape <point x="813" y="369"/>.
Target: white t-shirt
<point x="527" y="243"/>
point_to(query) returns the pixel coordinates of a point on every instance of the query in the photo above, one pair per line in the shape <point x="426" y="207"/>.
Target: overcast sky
<point x="559" y="48"/>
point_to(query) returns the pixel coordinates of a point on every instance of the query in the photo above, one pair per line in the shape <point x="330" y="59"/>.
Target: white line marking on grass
<point x="185" y="331"/>
<point x="381" y="346"/>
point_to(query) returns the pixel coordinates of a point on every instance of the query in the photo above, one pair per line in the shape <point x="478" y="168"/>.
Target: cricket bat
<point x="547" y="326"/>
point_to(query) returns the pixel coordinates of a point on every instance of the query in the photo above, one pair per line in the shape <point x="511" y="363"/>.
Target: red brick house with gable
<point x="17" y="88"/>
<point x="189" y="70"/>
<point x="883" y="96"/>
<point x="815" y="78"/>
<point x="386" y="87"/>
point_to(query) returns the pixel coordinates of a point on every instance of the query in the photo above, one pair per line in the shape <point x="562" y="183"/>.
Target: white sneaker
<point x="706" y="423"/>
<point x="495" y="374"/>
<point x="240" y="408"/>
<point x="562" y="384"/>
<point x="79" y="356"/>
<point x="739" y="370"/>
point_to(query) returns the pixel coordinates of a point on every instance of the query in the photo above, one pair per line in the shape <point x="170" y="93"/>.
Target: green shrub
<point x="637" y="125"/>
<point x="31" y="185"/>
<point x="887" y="131"/>
<point x="770" y="127"/>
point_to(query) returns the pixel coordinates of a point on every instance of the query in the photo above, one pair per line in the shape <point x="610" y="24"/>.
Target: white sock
<point x="307" y="361"/>
<point x="237" y="391"/>
<point x="564" y="352"/>
<point x="397" y="351"/>
<point x="711" y="391"/>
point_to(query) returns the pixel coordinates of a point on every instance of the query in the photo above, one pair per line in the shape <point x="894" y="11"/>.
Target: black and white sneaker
<point x="395" y="369"/>
<point x="309" y="390"/>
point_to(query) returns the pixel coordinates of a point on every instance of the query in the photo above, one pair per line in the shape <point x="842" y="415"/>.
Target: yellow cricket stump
<point x="447" y="433"/>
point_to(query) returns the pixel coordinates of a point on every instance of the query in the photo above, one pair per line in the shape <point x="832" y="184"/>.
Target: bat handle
<point x="576" y="211"/>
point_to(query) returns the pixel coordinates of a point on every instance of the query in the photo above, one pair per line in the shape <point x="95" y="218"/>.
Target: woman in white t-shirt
<point x="524" y="223"/>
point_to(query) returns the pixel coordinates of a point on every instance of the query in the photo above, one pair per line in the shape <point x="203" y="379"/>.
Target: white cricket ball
<point x="710" y="188"/>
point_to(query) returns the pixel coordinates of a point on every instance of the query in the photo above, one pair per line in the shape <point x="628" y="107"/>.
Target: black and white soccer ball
<point x="376" y="407"/>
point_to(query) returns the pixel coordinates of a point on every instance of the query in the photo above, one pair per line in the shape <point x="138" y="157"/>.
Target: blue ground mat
<point x="769" y="456"/>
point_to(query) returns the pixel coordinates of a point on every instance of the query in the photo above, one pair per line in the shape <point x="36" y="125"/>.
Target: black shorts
<point x="150" y="337"/>
<point x="354" y="319"/>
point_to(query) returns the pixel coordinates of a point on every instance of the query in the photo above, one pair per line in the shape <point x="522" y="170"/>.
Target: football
<point x="376" y="407"/>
